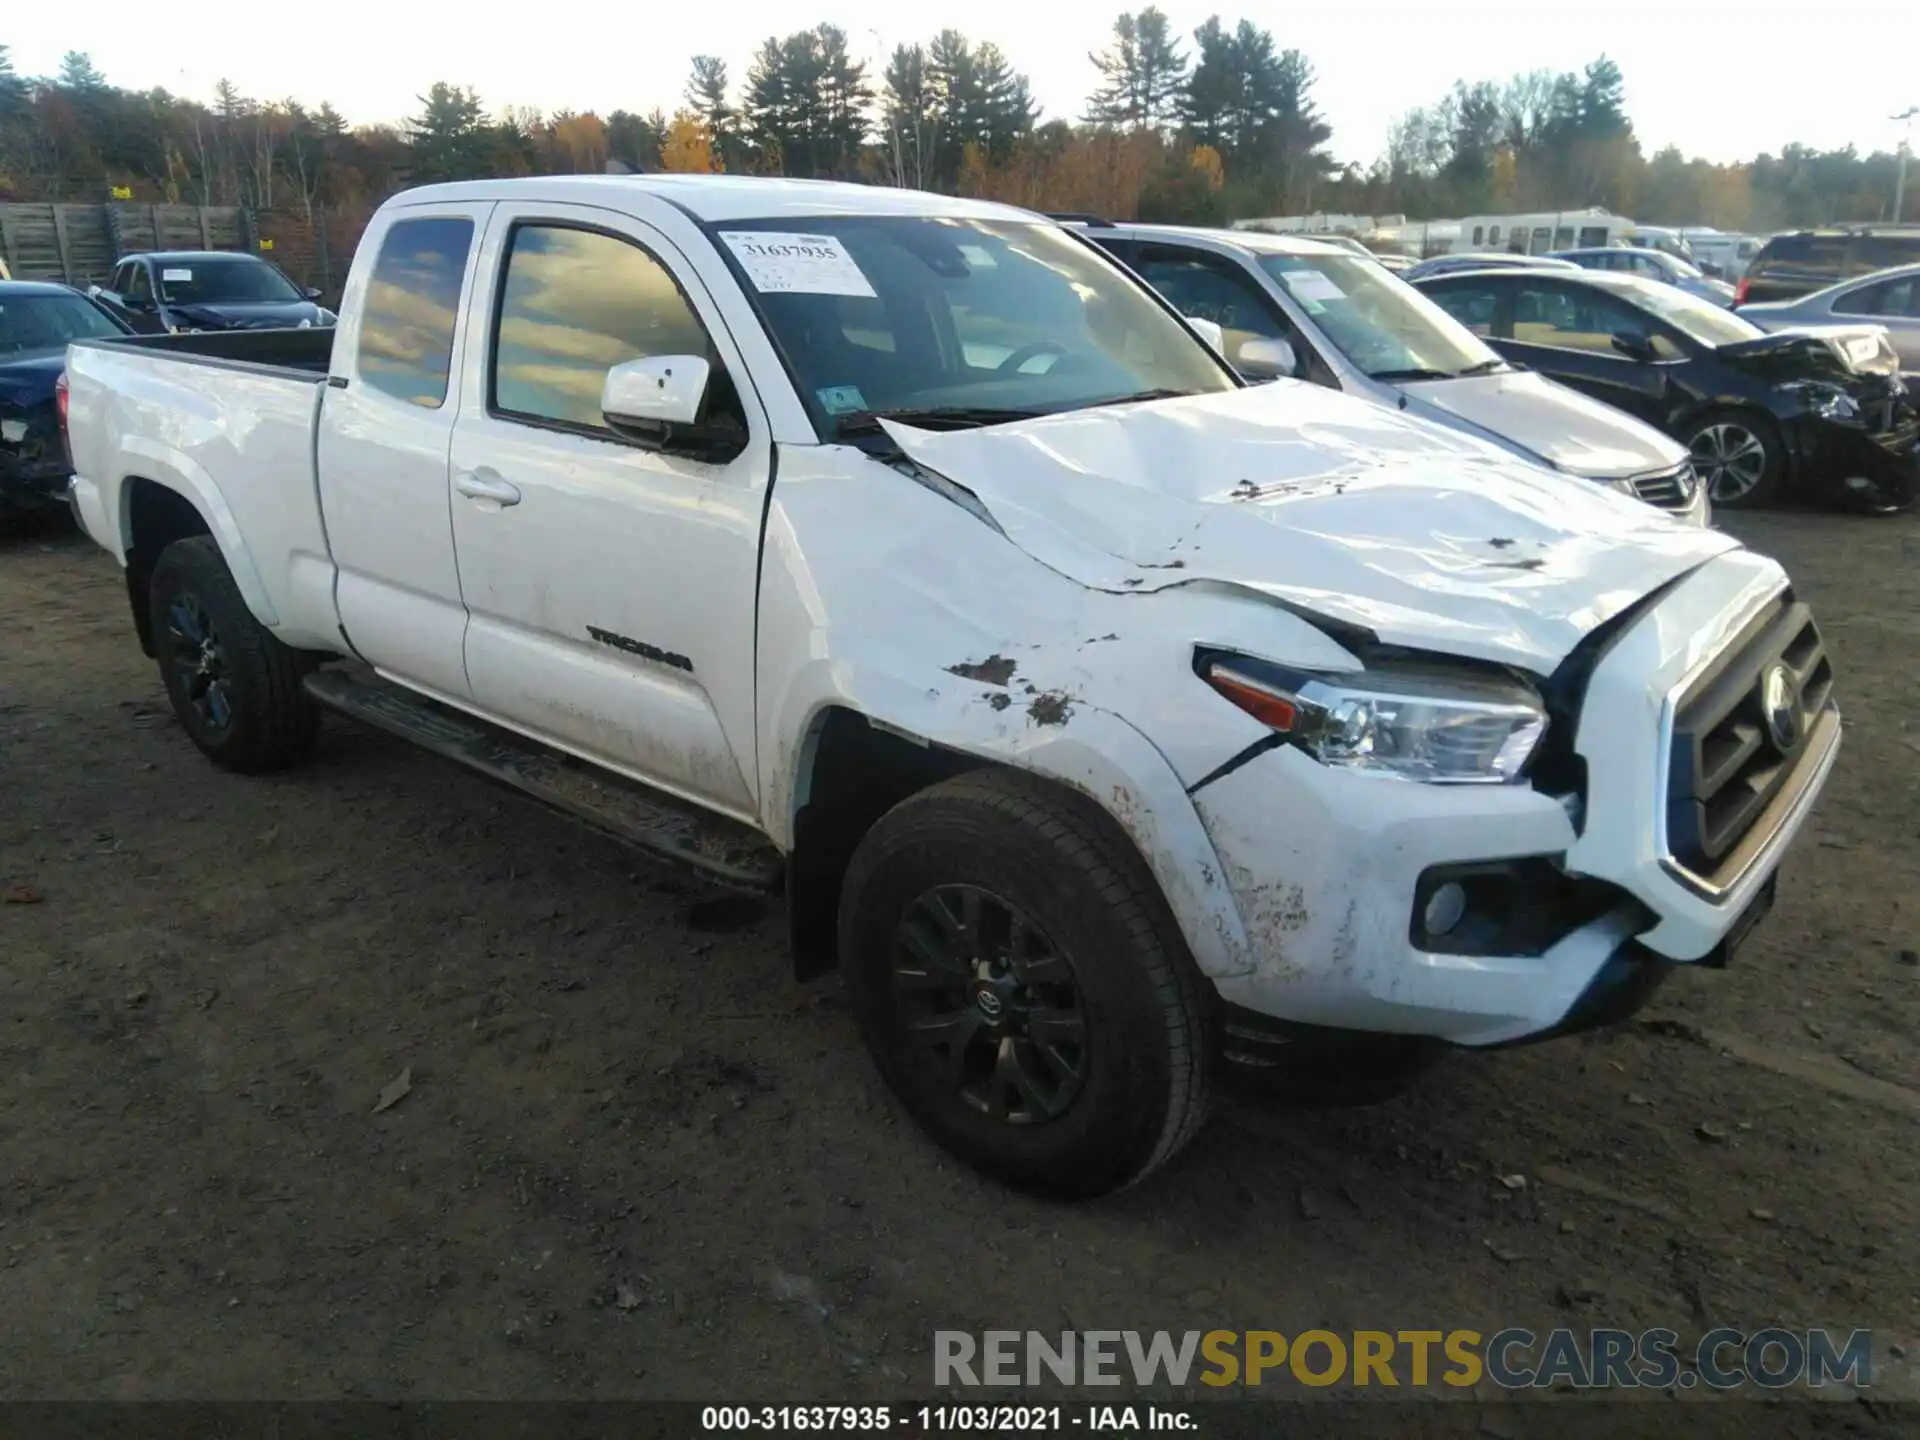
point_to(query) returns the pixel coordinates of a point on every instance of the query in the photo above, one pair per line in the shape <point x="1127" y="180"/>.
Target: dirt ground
<point x="637" y="1160"/>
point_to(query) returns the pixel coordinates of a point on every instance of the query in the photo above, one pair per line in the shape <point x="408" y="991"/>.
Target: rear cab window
<point x="412" y="305"/>
<point x="1802" y="255"/>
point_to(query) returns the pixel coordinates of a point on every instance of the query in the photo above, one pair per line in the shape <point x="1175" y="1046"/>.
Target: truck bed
<point x="226" y="420"/>
<point x="306" y="352"/>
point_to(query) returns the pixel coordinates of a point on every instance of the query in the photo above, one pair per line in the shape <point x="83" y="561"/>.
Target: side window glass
<point x="575" y="303"/>
<point x="1867" y="300"/>
<point x="1217" y="292"/>
<point x="139" y="287"/>
<point x="1580" y="319"/>
<point x="1475" y="309"/>
<point x="413" y="299"/>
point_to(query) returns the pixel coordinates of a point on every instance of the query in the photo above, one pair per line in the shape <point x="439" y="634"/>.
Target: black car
<point x="37" y="322"/>
<point x="187" y="290"/>
<point x="1816" y="410"/>
<point x="1791" y="265"/>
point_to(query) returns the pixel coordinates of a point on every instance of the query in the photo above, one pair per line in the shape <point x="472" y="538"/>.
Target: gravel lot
<point x="637" y="1160"/>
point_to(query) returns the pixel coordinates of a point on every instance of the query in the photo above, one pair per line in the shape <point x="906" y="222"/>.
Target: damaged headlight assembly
<point x="1829" y="402"/>
<point x="1432" y="724"/>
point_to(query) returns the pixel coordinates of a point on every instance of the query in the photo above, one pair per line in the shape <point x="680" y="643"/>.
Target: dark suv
<point x="1803" y="261"/>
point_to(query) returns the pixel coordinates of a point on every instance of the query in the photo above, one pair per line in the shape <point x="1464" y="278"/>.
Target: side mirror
<point x="1209" y="331"/>
<point x="312" y="292"/>
<point x="1267" y="360"/>
<point x="1709" y="267"/>
<point x="660" y="390"/>
<point x="1633" y="345"/>
<point x="658" y="402"/>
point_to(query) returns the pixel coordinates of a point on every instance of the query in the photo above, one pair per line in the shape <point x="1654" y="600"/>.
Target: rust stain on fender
<point x="1050" y="707"/>
<point x="994" y="670"/>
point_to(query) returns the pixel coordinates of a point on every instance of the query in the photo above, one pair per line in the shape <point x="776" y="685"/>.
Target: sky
<point x="1715" y="78"/>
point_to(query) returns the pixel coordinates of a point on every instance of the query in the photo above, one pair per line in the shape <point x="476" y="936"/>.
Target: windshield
<point x="1379" y="322"/>
<point x="1702" y="320"/>
<point x="236" y="281"/>
<point x="1674" y="265"/>
<point x="49" y="322"/>
<point x="882" y="314"/>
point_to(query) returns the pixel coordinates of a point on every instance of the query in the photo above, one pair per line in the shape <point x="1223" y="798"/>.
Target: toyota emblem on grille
<point x="1780" y="707"/>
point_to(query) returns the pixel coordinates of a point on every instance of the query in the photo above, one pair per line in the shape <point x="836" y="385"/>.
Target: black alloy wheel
<point x="991" y="1005"/>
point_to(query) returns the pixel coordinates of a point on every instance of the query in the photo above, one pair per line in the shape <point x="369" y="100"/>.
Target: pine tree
<point x="844" y="97"/>
<point x="706" y="97"/>
<point x="1143" y="74"/>
<point x="79" y="75"/>
<point x="1005" y="100"/>
<point x="449" y="140"/>
<point x="909" y="123"/>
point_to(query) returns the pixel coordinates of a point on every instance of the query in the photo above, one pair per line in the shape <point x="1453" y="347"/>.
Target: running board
<point x="721" y="849"/>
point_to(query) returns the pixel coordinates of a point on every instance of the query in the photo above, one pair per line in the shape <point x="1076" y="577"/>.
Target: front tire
<point x="1739" y="457"/>
<point x="1023" y="988"/>
<point x="235" y="688"/>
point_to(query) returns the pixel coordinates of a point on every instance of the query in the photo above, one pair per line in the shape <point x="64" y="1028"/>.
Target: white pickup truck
<point x="1104" y="719"/>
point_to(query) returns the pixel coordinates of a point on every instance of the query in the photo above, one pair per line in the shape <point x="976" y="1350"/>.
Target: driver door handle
<point x="485" y="484"/>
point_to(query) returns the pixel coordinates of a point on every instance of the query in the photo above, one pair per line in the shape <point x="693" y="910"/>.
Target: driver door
<point x="1212" y="288"/>
<point x="1567" y="332"/>
<point x="610" y="587"/>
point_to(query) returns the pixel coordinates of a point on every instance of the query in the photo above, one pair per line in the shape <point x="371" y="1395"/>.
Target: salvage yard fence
<point x="80" y="244"/>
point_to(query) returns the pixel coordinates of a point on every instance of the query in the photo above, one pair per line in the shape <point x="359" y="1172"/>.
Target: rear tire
<point x="1023" y="988"/>
<point x="1739" y="457"/>
<point x="235" y="688"/>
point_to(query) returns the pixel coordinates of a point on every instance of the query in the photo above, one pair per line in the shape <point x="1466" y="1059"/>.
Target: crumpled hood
<point x="1566" y="429"/>
<point x="1808" y="351"/>
<point x="1329" y="504"/>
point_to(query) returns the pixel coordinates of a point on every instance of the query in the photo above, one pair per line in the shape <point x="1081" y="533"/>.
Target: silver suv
<point x="1302" y="309"/>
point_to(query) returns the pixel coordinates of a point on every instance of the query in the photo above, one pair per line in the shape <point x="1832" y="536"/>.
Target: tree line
<point x="1206" y="127"/>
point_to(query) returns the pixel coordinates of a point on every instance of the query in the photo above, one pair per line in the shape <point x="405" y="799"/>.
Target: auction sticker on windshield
<point x="783" y="264"/>
<point x="1312" y="285"/>
<point x="170" y="277"/>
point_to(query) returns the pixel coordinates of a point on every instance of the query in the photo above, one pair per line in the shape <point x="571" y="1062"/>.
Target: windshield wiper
<point x="1139" y="397"/>
<point x="1485" y="367"/>
<point x="932" y="417"/>
<point x="1392" y="375"/>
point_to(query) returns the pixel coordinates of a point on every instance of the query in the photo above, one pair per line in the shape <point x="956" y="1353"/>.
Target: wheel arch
<point x="850" y="767"/>
<point x="154" y="510"/>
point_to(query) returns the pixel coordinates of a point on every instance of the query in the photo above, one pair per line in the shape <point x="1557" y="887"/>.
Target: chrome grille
<point x="1671" y="490"/>
<point x="1740" y="732"/>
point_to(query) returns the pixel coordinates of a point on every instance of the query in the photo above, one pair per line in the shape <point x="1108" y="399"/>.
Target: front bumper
<point x="1325" y="866"/>
<point x="1883" y="446"/>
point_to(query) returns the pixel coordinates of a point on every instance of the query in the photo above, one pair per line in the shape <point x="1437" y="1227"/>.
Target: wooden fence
<point x="80" y="244"/>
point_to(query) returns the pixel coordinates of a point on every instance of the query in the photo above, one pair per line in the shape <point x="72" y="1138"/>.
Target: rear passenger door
<point x="385" y="429"/>
<point x="611" y="585"/>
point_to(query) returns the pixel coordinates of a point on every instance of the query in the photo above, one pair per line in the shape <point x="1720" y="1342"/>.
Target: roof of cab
<point x="721" y="197"/>
<point x="35" y="287"/>
<point x="1255" y="242"/>
<point x="186" y="255"/>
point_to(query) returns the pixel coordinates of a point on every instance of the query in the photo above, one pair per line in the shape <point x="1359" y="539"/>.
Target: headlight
<point x="1441" y="726"/>
<point x="1829" y="402"/>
